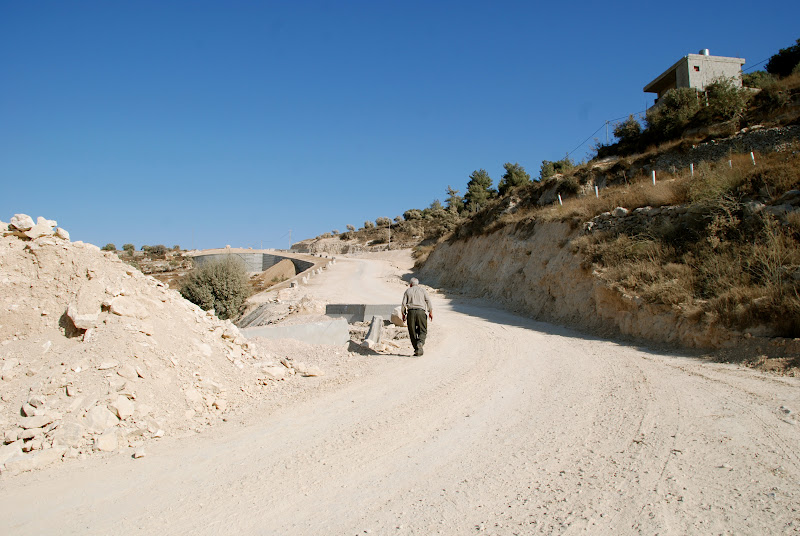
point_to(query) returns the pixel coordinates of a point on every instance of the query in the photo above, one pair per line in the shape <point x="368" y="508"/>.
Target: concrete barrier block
<point x="335" y="332"/>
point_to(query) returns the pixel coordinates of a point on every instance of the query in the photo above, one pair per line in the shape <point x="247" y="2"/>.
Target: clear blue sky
<point x="205" y="123"/>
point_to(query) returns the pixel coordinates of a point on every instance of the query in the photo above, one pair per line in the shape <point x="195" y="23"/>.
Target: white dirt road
<point x="506" y="426"/>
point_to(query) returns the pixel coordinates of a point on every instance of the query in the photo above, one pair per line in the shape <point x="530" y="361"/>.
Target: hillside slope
<point x="540" y="274"/>
<point x="705" y="257"/>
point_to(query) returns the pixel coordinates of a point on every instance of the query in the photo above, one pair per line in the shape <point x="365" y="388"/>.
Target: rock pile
<point x="97" y="357"/>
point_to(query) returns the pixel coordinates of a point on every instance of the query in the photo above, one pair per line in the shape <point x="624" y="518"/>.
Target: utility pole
<point x="606" y="132"/>
<point x="290" y="239"/>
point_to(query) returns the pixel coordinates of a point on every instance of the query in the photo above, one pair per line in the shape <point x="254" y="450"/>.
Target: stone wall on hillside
<point x="539" y="274"/>
<point x="763" y="140"/>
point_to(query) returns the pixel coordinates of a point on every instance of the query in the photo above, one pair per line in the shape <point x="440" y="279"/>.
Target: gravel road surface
<point x="505" y="426"/>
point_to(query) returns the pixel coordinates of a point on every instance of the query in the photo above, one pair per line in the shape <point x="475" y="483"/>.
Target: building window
<point x="697" y="68"/>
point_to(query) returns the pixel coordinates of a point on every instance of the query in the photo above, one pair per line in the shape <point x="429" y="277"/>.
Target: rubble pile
<point x="97" y="357"/>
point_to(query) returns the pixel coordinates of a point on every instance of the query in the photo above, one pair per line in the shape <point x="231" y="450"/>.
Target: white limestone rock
<point x="69" y="434"/>
<point x="42" y="228"/>
<point x="128" y="306"/>
<point x="22" y="222"/>
<point x="12" y="450"/>
<point x="35" y="422"/>
<point x="84" y="310"/>
<point x="106" y="442"/>
<point x="123" y="407"/>
<point x="397" y="317"/>
<point x="99" y="419"/>
<point x="128" y="372"/>
<point x="275" y="372"/>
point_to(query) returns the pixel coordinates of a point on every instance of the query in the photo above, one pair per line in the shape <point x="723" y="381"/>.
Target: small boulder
<point x="22" y="222"/>
<point x="397" y="317"/>
<point x="99" y="419"/>
<point x="106" y="442"/>
<point x="69" y="434"/>
<point x="619" y="212"/>
<point x="35" y="422"/>
<point x="123" y="407"/>
<point x="128" y="372"/>
<point x="10" y="451"/>
<point x="128" y="306"/>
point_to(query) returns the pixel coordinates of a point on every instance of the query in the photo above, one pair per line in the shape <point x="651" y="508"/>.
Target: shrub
<point x="129" y="248"/>
<point x="221" y="285"/>
<point x="773" y="96"/>
<point x="368" y="225"/>
<point x="757" y="79"/>
<point x="350" y="228"/>
<point x="383" y="222"/>
<point x="669" y="118"/>
<point x="398" y="219"/>
<point x="413" y="214"/>
<point x="109" y="247"/>
<point x="176" y="247"/>
<point x="158" y="251"/>
<point x="629" y="130"/>
<point x="725" y="101"/>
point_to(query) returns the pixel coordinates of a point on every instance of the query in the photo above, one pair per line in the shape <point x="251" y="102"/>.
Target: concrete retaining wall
<point x="254" y="261"/>
<point x="359" y="312"/>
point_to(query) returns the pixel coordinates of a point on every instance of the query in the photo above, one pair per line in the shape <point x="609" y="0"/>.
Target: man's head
<point x="414" y="282"/>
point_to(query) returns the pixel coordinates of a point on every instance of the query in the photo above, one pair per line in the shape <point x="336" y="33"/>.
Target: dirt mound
<point x="97" y="357"/>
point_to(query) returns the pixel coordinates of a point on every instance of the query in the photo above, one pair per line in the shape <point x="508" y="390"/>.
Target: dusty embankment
<point x="538" y="273"/>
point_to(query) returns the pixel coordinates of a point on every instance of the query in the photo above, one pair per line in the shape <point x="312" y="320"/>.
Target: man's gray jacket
<point x="416" y="298"/>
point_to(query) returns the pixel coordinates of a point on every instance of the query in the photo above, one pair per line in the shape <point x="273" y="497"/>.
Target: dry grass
<point x="736" y="268"/>
<point x="668" y="190"/>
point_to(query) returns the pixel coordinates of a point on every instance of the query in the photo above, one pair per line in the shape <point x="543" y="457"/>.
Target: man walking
<point x="415" y="304"/>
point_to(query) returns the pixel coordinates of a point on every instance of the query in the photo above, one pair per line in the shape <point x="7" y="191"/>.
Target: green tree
<point x="628" y="131"/>
<point x="109" y="247"/>
<point x="671" y="115"/>
<point x="479" y="190"/>
<point x="350" y="227"/>
<point x="514" y="176"/>
<point x="129" y="248"/>
<point x="222" y="285"/>
<point x="383" y="222"/>
<point x="158" y="251"/>
<point x="784" y="62"/>
<point x="455" y="203"/>
<point x="398" y="219"/>
<point x="368" y="225"/>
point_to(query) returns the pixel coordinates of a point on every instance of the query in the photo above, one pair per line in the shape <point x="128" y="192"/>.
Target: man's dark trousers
<point x="417" y="321"/>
